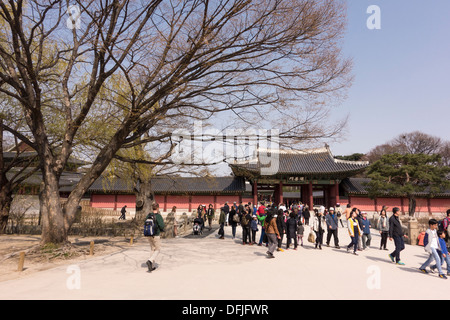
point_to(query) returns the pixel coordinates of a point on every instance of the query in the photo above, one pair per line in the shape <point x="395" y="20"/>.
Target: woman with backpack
<point x="233" y="219"/>
<point x="246" y="218"/>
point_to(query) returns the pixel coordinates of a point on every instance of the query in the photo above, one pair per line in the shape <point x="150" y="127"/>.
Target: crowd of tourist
<point x="278" y="222"/>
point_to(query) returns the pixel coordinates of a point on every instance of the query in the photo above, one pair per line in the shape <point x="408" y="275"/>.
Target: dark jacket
<point x="332" y="221"/>
<point x="291" y="227"/>
<point x="230" y="217"/>
<point x="281" y="225"/>
<point x="395" y="228"/>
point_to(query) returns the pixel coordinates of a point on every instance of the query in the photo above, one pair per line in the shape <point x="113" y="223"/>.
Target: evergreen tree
<point x="408" y="175"/>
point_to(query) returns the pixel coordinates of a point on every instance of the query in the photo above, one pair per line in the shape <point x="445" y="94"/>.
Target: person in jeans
<point x="354" y="231"/>
<point x="383" y="226"/>
<point x="396" y="234"/>
<point x="232" y="221"/>
<point x="443" y="252"/>
<point x="271" y="233"/>
<point x="432" y="246"/>
<point x="366" y="236"/>
<point x="318" y="227"/>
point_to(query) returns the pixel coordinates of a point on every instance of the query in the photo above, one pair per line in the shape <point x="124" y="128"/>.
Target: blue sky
<point x="402" y="73"/>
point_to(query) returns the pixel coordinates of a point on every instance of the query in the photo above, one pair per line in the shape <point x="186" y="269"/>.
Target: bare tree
<point x="415" y="142"/>
<point x="147" y="65"/>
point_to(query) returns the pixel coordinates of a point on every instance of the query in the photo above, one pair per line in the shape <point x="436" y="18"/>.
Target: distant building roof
<point x="310" y="162"/>
<point x="180" y="185"/>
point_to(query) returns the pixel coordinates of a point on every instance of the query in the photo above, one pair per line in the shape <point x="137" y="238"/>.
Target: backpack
<point x="244" y="221"/>
<point x="150" y="226"/>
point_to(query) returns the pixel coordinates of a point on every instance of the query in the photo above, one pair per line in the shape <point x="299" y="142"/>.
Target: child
<point x="366" y="236"/>
<point x="254" y="228"/>
<point x="432" y="246"/>
<point x="300" y="230"/>
<point x="443" y="253"/>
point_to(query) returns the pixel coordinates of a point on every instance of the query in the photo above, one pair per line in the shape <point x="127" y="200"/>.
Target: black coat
<point x="291" y="227"/>
<point x="281" y="225"/>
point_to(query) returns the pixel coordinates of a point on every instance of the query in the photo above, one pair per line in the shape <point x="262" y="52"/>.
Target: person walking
<point x="281" y="225"/>
<point x="222" y="220"/>
<point x="155" y="240"/>
<point x="432" y="246"/>
<point x="339" y="213"/>
<point x="271" y="233"/>
<point x="291" y="231"/>
<point x="261" y="218"/>
<point x="383" y="226"/>
<point x="254" y="228"/>
<point x="354" y="231"/>
<point x="246" y="219"/>
<point x="366" y="236"/>
<point x="233" y="219"/>
<point x="122" y="212"/>
<point x="396" y="234"/>
<point x="318" y="227"/>
<point x="332" y="227"/>
<point x="443" y="252"/>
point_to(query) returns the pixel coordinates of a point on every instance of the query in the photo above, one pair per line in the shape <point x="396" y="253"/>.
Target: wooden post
<point x="91" y="249"/>
<point x="21" y="261"/>
<point x="131" y="240"/>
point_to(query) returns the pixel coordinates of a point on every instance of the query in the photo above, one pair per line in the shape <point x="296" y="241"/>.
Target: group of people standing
<point x="277" y="222"/>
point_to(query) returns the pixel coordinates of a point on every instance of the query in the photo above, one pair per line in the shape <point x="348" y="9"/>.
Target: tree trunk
<point x="412" y="206"/>
<point x="52" y="216"/>
<point x="144" y="198"/>
<point x="5" y="205"/>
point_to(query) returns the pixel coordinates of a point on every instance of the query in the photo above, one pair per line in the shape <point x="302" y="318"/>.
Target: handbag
<point x="311" y="237"/>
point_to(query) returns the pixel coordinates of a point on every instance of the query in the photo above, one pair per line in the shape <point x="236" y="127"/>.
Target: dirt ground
<point x="38" y="259"/>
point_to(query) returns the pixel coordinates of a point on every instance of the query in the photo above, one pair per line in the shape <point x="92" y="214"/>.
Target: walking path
<point x="207" y="268"/>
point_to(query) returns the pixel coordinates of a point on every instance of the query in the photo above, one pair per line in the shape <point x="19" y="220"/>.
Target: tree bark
<point x="5" y="205"/>
<point x="412" y="206"/>
<point x="52" y="216"/>
<point x="144" y="198"/>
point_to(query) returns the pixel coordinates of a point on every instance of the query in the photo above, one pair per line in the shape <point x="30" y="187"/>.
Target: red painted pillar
<point x="336" y="189"/>
<point x="280" y="192"/>
<point x="255" y="192"/>
<point x="310" y="195"/>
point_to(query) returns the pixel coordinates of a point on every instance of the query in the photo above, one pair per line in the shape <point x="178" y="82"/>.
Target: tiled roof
<point x="305" y="162"/>
<point x="175" y="185"/>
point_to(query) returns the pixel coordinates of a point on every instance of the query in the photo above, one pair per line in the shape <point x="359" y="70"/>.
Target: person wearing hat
<point x="332" y="227"/>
